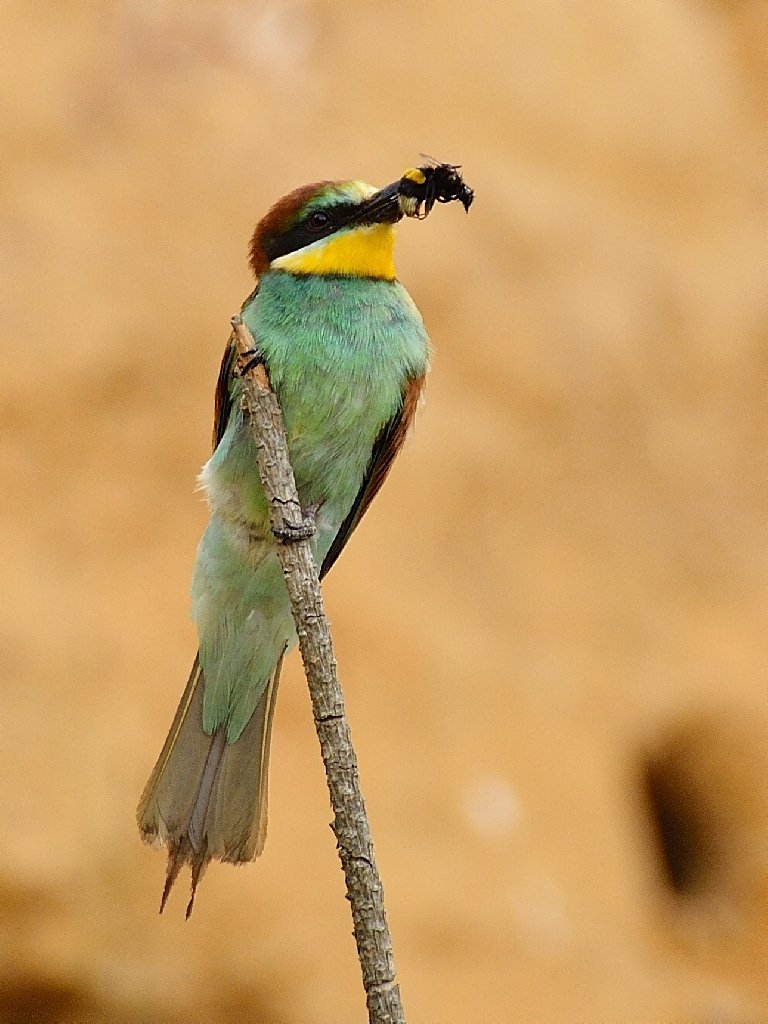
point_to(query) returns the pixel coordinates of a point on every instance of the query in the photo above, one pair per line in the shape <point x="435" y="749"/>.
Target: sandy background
<point x="552" y="626"/>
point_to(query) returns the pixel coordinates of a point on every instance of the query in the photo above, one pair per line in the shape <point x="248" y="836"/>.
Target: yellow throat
<point x="365" y="251"/>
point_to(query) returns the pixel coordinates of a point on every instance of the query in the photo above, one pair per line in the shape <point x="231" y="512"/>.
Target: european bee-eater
<point x="346" y="352"/>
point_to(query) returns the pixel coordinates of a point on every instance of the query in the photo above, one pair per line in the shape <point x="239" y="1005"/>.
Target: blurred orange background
<point x="551" y="627"/>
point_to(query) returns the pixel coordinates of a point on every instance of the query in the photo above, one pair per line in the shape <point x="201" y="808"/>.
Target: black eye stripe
<point x="304" y="233"/>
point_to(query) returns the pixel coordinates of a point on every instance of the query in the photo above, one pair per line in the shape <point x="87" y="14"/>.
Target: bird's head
<point x="330" y="227"/>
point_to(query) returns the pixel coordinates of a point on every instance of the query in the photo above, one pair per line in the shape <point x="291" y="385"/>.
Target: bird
<point x="346" y="352"/>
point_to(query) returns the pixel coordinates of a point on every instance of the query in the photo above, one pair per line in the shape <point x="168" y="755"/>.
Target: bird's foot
<point x="290" y="533"/>
<point x="247" y="360"/>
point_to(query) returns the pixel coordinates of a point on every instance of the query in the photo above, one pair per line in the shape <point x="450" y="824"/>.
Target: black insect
<point x="422" y="187"/>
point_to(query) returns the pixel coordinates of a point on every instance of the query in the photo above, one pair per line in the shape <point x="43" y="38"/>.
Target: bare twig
<point x="353" y="836"/>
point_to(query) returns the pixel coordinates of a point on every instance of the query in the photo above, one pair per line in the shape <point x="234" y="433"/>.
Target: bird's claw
<point x="246" y="362"/>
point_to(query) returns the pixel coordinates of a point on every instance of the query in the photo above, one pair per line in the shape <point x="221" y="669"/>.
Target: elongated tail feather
<point x="207" y="799"/>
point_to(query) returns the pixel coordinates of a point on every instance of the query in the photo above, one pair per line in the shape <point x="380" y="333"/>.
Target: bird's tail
<point x="206" y="798"/>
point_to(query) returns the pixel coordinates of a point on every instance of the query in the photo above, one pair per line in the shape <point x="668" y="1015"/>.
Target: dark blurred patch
<point x="704" y="787"/>
<point x="684" y="833"/>
<point x="38" y="1001"/>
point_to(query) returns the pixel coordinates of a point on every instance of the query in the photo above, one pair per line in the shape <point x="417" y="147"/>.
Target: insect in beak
<point x="421" y="187"/>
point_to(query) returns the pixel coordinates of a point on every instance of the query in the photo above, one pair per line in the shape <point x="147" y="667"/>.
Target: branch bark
<point x="350" y="825"/>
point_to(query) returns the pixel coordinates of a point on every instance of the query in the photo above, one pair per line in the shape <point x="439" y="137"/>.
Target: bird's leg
<point x="290" y="534"/>
<point x="247" y="361"/>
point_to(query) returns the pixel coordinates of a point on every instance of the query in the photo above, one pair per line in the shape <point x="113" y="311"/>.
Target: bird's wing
<point x="223" y="399"/>
<point x="385" y="448"/>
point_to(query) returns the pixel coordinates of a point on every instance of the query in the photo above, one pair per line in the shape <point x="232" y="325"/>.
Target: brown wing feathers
<point x="222" y="405"/>
<point x="387" y="445"/>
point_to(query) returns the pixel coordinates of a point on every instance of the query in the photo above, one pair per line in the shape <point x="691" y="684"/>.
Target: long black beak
<point x="415" y="194"/>
<point x="382" y="208"/>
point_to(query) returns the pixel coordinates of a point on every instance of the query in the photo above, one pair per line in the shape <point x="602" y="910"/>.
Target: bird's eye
<point x="318" y="220"/>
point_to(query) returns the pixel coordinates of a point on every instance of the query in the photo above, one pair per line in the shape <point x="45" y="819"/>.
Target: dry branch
<point x="350" y="825"/>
